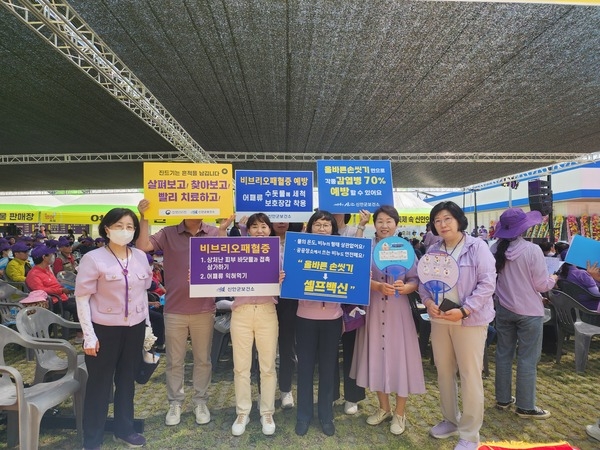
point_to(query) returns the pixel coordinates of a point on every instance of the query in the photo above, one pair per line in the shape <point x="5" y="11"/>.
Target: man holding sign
<point x="183" y="315"/>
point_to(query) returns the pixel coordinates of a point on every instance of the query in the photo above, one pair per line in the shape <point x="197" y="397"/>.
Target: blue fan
<point x="394" y="255"/>
<point x="438" y="271"/>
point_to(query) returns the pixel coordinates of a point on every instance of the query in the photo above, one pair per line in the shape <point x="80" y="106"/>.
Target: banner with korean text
<point x="327" y="268"/>
<point x="349" y="186"/>
<point x="188" y="190"/>
<point x="9" y="216"/>
<point x="284" y="196"/>
<point x="240" y="267"/>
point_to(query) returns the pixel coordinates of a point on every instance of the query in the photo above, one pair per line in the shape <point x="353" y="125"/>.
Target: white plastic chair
<point x="35" y="322"/>
<point x="25" y="406"/>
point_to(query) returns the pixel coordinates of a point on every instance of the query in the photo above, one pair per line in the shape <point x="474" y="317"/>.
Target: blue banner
<point x="327" y="268"/>
<point x="349" y="186"/>
<point x="285" y="196"/>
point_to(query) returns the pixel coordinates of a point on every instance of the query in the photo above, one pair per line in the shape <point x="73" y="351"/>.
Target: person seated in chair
<point x="4" y="256"/>
<point x="64" y="258"/>
<point x="41" y="277"/>
<point x="156" y="293"/>
<point x="18" y="267"/>
<point x="585" y="281"/>
<point x="87" y="245"/>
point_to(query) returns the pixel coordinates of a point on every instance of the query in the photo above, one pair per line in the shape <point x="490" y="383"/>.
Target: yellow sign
<point x="406" y="219"/>
<point x="18" y="216"/>
<point x="188" y="190"/>
<point x="413" y="219"/>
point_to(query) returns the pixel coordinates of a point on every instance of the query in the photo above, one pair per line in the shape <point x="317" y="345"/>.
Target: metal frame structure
<point x="572" y="158"/>
<point x="60" y="25"/>
<point x="536" y="173"/>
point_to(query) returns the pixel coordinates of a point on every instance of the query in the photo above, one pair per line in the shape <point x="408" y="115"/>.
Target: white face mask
<point x="158" y="259"/>
<point x="120" y="237"/>
<point x="10" y="254"/>
<point x="52" y="259"/>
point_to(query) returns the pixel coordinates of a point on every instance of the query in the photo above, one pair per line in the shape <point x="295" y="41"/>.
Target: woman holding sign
<point x="386" y="356"/>
<point x="254" y="320"/>
<point x="318" y="331"/>
<point x="459" y="328"/>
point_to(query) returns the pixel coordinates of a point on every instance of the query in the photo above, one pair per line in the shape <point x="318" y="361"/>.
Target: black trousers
<point x="316" y="342"/>
<point x="118" y="359"/>
<point x="158" y="326"/>
<point x="352" y="392"/>
<point x="286" y="315"/>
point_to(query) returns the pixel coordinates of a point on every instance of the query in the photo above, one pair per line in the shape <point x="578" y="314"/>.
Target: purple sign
<point x="240" y="267"/>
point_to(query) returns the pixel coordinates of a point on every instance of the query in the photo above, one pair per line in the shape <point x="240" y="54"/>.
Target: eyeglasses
<point x="445" y="221"/>
<point x="322" y="225"/>
<point x="121" y="227"/>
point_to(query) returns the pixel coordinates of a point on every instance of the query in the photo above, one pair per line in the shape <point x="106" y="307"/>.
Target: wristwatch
<point x="464" y="313"/>
<point x="361" y="227"/>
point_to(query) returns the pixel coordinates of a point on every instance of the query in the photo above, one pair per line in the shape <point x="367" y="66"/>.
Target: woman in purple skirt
<point x="387" y="358"/>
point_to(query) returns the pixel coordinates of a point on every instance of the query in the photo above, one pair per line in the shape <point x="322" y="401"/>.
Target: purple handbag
<point x="352" y="323"/>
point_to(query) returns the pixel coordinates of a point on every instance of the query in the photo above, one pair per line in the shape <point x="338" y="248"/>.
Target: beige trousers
<point x="460" y="349"/>
<point x="199" y="327"/>
<point x="250" y="324"/>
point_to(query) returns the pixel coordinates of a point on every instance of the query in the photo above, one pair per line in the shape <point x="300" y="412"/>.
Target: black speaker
<point x="540" y="196"/>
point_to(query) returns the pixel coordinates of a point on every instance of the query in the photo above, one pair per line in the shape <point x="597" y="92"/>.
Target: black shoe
<point x="505" y="405"/>
<point x="328" y="428"/>
<point x="535" y="413"/>
<point x="301" y="428"/>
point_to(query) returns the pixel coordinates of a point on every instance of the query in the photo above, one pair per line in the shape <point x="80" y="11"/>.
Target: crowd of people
<point x="502" y="284"/>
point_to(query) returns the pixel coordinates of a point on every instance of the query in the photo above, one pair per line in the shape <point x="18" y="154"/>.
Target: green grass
<point x="573" y="400"/>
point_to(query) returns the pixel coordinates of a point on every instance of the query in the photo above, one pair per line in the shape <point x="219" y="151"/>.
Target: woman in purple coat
<point x="386" y="354"/>
<point x="458" y="335"/>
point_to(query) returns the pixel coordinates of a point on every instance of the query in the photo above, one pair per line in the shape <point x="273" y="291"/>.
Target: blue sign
<point x="284" y="196"/>
<point x="327" y="268"/>
<point x="349" y="186"/>
<point x="582" y="251"/>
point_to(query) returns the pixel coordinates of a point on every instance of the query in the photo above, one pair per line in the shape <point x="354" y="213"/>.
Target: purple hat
<point x="26" y="238"/>
<point x="99" y="239"/>
<point x="42" y="250"/>
<point x="158" y="253"/>
<point x="150" y="258"/>
<point x="514" y="222"/>
<point x="52" y="243"/>
<point x="63" y="242"/>
<point x="20" y="247"/>
<point x="39" y="236"/>
<point x="4" y="246"/>
<point x="36" y="244"/>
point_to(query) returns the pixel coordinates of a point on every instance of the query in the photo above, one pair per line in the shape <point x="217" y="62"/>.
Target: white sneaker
<point x="593" y="431"/>
<point x="268" y="424"/>
<point x="239" y="426"/>
<point x="173" y="415"/>
<point x="398" y="424"/>
<point x="350" y="408"/>
<point x="202" y="414"/>
<point x="287" y="400"/>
